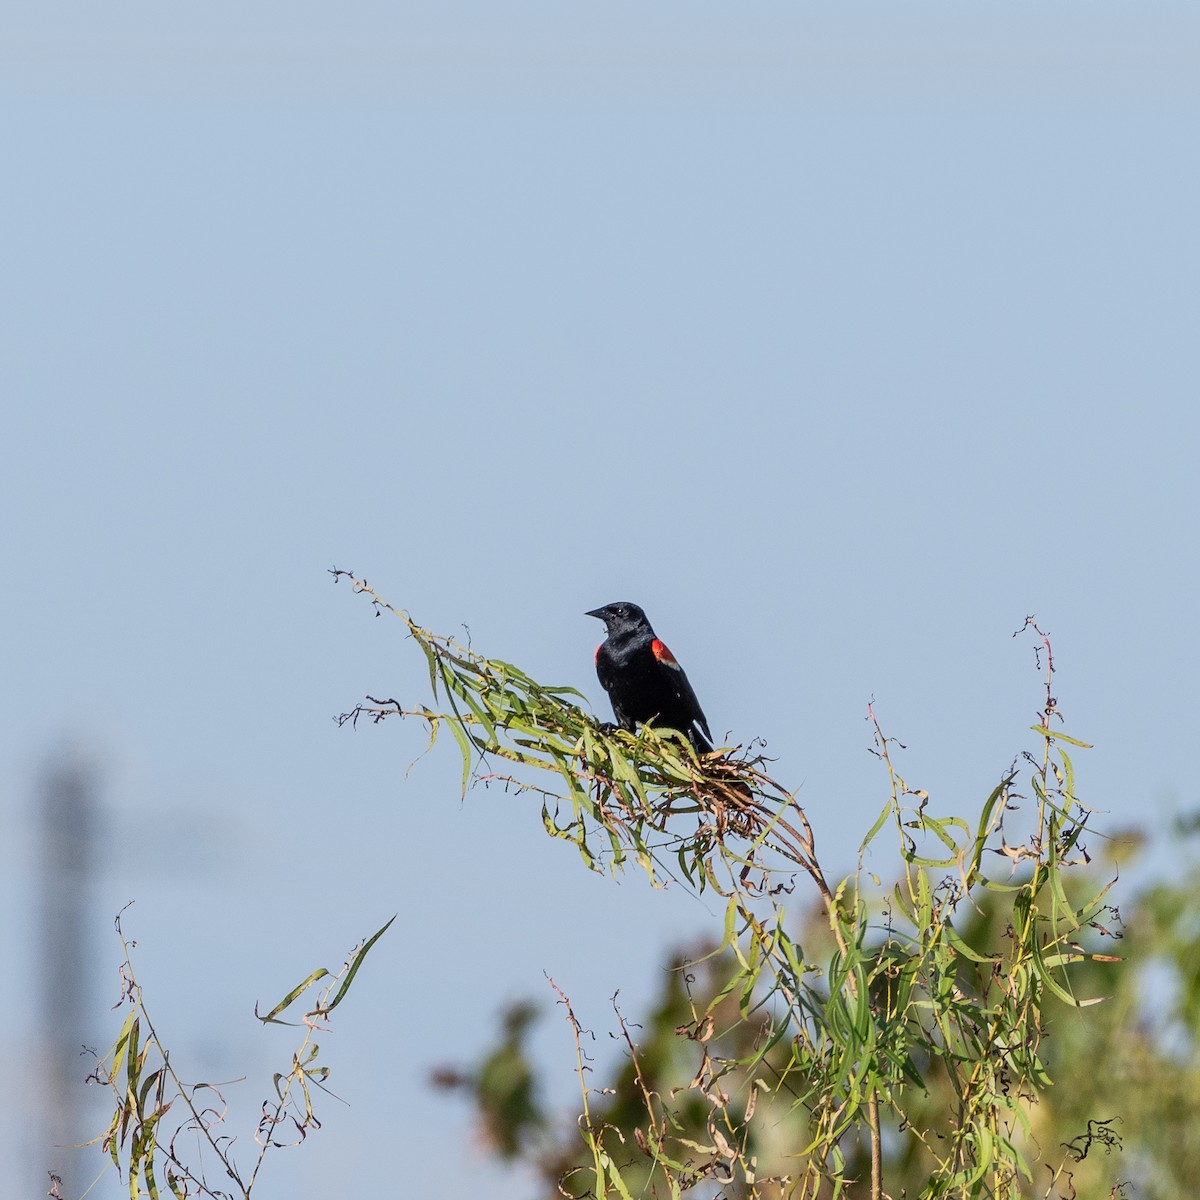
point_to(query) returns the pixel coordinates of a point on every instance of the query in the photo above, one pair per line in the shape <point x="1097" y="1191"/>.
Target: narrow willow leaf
<point x="879" y="823"/>
<point x="1043" y="973"/>
<point x="155" y="1078"/>
<point x="1058" y="736"/>
<point x="984" y="826"/>
<point x="288" y="1000"/>
<point x="467" y="750"/>
<point x="432" y="720"/>
<point x="430" y="657"/>
<point x="924" y="901"/>
<point x="614" y="1175"/>
<point x="1068" y="772"/>
<point x="133" y="1059"/>
<point x="731" y="914"/>
<point x="940" y="828"/>
<point x="356" y="961"/>
<point x="1063" y="907"/>
<point x="961" y="947"/>
<point x="468" y="697"/>
<point x="564" y="691"/>
<point x="120" y="1048"/>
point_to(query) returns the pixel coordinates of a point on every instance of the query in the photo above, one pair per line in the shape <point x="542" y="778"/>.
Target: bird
<point x="643" y="679"/>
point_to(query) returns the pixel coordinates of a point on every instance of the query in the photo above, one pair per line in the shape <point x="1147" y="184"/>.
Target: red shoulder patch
<point x="661" y="652"/>
<point x="596" y="656"/>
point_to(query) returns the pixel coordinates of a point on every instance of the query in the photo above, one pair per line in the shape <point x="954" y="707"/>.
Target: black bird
<point x="642" y="678"/>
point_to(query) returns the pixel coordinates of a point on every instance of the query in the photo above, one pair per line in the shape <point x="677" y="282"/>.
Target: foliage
<point x="147" y="1142"/>
<point x="504" y="1088"/>
<point x="834" y="1041"/>
<point x="912" y="1015"/>
<point x="1123" y="1118"/>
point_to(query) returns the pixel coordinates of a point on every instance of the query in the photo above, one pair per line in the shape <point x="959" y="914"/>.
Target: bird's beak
<point x="598" y="613"/>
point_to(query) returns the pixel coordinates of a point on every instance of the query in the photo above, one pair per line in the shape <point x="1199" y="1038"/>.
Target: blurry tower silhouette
<point x="67" y="826"/>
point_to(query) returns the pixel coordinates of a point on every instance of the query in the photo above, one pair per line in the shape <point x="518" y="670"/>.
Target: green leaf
<point x="879" y="822"/>
<point x="961" y="947"/>
<point x="288" y="1000"/>
<point x="466" y="748"/>
<point x="1058" y="736"/>
<point x="356" y="961"/>
<point x="120" y="1048"/>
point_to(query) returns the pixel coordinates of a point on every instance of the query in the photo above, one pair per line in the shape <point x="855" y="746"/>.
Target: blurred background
<point x="839" y="337"/>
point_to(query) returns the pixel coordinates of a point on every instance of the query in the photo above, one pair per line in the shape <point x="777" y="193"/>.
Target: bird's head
<point x="620" y="616"/>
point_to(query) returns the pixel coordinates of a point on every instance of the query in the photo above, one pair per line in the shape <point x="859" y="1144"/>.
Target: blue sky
<point x="838" y="337"/>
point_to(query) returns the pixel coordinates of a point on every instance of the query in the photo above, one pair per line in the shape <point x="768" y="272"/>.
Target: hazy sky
<point x="839" y="337"/>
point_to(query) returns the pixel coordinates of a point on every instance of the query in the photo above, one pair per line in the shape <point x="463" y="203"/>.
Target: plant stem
<point x="876" y="1148"/>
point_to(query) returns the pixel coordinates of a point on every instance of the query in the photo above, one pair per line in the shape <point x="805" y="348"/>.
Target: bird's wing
<point x="683" y="687"/>
<point x="603" y="668"/>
